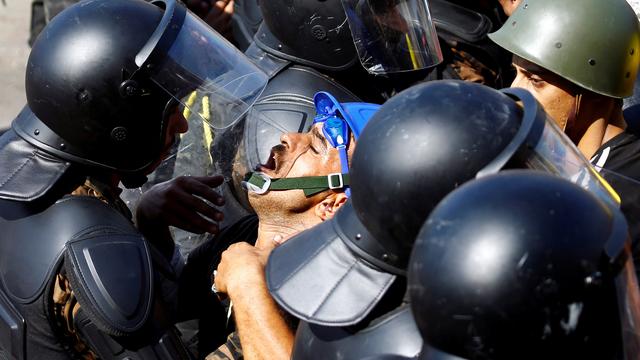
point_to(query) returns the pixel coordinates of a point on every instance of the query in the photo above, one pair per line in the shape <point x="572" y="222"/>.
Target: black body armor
<point x="126" y="298"/>
<point x="124" y="312"/>
<point x="394" y="333"/>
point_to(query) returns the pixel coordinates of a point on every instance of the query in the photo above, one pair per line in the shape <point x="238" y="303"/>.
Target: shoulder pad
<point x="109" y="268"/>
<point x="30" y="255"/>
<point x="455" y="21"/>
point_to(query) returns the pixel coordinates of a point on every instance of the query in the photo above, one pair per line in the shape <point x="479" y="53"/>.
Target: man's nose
<point x="290" y="139"/>
<point x="519" y="81"/>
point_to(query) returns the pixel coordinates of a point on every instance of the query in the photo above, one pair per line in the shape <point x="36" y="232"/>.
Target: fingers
<point x="186" y="219"/>
<point x="201" y="186"/>
<point x="270" y="245"/>
<point x="277" y="240"/>
<point x="186" y="202"/>
<point x="219" y="17"/>
<point x="212" y="181"/>
<point x="230" y="258"/>
<point x="204" y="187"/>
<point x="199" y="7"/>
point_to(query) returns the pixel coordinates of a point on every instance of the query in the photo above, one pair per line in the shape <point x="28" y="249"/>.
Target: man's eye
<point x="314" y="150"/>
<point x="536" y="81"/>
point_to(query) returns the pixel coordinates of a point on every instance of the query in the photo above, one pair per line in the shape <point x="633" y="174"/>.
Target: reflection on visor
<point x="202" y="61"/>
<point x="556" y="154"/>
<point x="393" y="35"/>
<point x="543" y="146"/>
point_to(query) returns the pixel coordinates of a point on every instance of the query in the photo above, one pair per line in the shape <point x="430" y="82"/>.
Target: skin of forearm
<point x="263" y="331"/>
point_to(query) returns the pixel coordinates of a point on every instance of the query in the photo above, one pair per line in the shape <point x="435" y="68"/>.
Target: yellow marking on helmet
<point x="206" y="128"/>
<point x="190" y="101"/>
<point x="412" y="53"/>
<point x="606" y="186"/>
<point x="205" y="111"/>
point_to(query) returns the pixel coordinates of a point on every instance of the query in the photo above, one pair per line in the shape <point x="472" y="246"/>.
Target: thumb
<point x="277" y="240"/>
<point x="270" y="245"/>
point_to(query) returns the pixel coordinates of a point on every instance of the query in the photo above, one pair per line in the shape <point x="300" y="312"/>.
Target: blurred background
<point x="14" y="33"/>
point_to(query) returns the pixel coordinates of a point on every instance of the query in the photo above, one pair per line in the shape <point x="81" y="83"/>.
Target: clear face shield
<point x="541" y="145"/>
<point x="620" y="264"/>
<point x="212" y="85"/>
<point x="211" y="81"/>
<point x="628" y="295"/>
<point x="207" y="75"/>
<point x="393" y="35"/>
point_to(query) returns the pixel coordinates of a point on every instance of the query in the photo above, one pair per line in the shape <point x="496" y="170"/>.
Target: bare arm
<point x="264" y="333"/>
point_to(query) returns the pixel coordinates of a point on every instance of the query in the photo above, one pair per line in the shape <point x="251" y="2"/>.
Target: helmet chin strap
<point x="259" y="182"/>
<point x="338" y="126"/>
<point x="573" y="116"/>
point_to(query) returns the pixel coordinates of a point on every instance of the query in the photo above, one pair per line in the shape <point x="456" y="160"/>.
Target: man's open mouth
<point x="270" y="166"/>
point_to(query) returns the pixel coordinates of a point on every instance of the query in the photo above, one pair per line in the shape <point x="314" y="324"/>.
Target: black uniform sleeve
<point x="195" y="298"/>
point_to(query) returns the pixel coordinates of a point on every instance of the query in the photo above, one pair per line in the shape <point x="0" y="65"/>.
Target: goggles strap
<point x="311" y="185"/>
<point x="344" y="165"/>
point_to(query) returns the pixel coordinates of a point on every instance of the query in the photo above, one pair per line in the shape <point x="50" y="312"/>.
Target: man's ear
<point x="328" y="207"/>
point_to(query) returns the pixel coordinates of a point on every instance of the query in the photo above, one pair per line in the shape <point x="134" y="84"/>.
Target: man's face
<point x="298" y="155"/>
<point x="176" y="125"/>
<point x="555" y="94"/>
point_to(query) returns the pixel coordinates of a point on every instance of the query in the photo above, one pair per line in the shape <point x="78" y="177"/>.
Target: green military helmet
<point x="592" y="43"/>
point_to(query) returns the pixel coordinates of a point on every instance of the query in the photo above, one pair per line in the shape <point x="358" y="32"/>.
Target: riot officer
<point x="523" y="265"/>
<point x="581" y="83"/>
<point x="417" y="148"/>
<point x="77" y="279"/>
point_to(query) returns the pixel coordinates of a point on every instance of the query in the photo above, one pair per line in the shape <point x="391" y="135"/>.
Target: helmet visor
<point x="541" y="145"/>
<point x="208" y="75"/>
<point x="555" y="153"/>
<point x="393" y="35"/>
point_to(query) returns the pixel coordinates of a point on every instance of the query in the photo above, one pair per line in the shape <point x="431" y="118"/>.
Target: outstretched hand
<point x="186" y="202"/>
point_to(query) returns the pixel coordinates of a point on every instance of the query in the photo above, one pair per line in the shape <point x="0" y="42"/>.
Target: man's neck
<point x="279" y="230"/>
<point x="600" y="129"/>
<point x="596" y="135"/>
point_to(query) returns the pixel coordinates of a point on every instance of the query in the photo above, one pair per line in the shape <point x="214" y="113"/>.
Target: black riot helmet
<point x="105" y="76"/>
<point x="525" y="265"/>
<point x="333" y="34"/>
<point x="431" y="138"/>
<point x="418" y="147"/>
<point x="309" y="32"/>
<point x="421" y="145"/>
